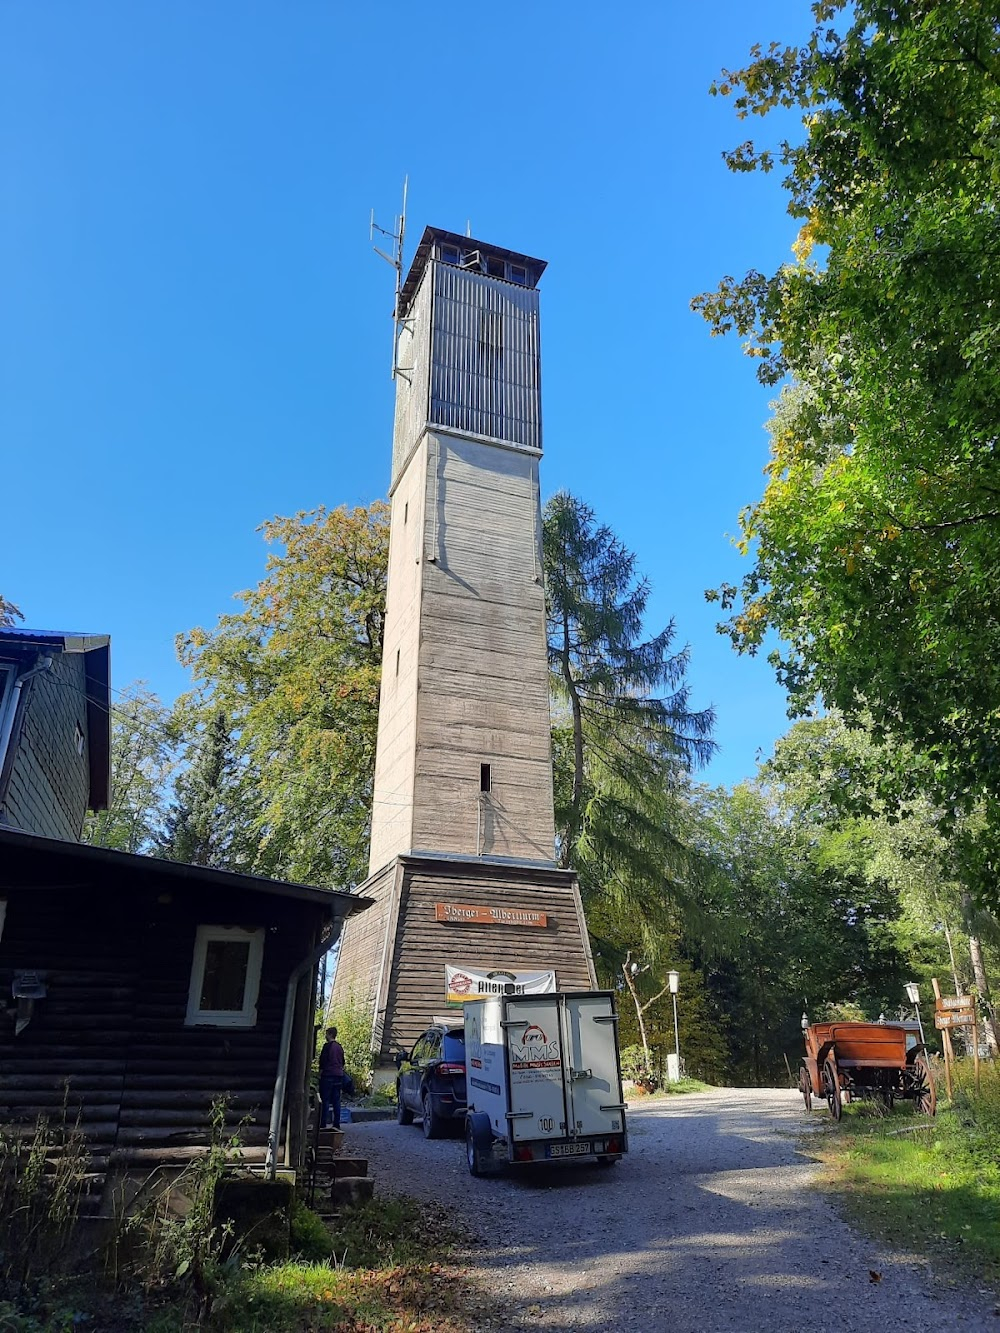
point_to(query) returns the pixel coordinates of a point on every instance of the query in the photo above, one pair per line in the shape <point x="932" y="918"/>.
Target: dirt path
<point x="708" y="1224"/>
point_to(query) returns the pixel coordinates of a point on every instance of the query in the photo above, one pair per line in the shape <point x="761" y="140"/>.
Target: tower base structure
<point x="462" y="919"/>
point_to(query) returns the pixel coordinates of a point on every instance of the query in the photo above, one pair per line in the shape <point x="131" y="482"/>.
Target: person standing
<point x="331" y="1079"/>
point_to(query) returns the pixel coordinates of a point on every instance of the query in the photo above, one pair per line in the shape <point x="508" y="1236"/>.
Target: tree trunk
<point x="982" y="982"/>
<point x="630" y="983"/>
<point x="951" y="946"/>
<point x="576" y="809"/>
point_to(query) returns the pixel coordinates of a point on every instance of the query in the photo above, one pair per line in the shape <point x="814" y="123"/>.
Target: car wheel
<point x="604" y="1160"/>
<point x="404" y="1116"/>
<point x="432" y="1122"/>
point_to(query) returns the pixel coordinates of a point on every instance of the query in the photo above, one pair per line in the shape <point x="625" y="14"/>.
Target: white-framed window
<point x="225" y="977"/>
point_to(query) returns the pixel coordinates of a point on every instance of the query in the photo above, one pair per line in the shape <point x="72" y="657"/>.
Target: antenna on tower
<point x="397" y="235"/>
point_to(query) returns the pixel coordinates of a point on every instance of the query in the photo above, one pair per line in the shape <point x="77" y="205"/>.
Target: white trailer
<point x="543" y="1079"/>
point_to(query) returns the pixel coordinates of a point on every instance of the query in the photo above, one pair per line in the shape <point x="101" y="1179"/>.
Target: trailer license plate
<point x="568" y="1149"/>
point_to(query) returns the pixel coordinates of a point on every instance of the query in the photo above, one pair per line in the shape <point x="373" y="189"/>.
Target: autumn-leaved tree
<point x="295" y="674"/>
<point x="876" y="544"/>
<point x="625" y="734"/>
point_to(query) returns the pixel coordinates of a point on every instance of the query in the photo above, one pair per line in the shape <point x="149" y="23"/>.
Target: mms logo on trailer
<point x="534" y="1050"/>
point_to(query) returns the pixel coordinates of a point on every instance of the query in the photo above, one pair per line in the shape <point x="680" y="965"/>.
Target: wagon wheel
<point x="831" y="1087"/>
<point x="805" y="1087"/>
<point x="922" y="1089"/>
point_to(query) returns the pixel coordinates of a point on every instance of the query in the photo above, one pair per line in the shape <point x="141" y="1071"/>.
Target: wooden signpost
<point x="955" y="1011"/>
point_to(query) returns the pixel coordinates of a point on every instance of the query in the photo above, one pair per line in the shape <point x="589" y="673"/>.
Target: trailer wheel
<point x="473" y="1153"/>
<point x="478" y="1139"/>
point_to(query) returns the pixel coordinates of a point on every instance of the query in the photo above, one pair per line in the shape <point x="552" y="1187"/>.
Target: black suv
<point x="431" y="1080"/>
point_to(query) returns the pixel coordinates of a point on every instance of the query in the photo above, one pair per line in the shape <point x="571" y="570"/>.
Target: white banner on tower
<point x="469" y="983"/>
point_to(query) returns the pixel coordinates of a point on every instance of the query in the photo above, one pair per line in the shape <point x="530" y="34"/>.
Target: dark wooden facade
<point x="114" y="936"/>
<point x="394" y="955"/>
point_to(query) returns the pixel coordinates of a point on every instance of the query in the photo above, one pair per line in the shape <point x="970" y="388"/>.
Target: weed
<point x="43" y="1177"/>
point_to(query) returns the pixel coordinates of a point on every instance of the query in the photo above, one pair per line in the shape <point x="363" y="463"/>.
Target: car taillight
<point x="523" y="1155"/>
<point x="451" y="1069"/>
<point x="613" y="1145"/>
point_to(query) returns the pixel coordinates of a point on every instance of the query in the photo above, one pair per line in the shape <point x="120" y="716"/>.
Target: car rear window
<point x="454" y="1046"/>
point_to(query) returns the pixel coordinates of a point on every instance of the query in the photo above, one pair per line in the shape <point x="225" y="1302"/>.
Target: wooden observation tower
<point x="462" y="870"/>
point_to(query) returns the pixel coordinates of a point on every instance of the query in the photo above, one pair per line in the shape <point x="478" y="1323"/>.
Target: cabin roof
<point x="22" y="851"/>
<point x="97" y="656"/>
<point x="434" y="234"/>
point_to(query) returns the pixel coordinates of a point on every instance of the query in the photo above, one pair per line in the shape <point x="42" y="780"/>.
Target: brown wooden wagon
<point x="850" y="1060"/>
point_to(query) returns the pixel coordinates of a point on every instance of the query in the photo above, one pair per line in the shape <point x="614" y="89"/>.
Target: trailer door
<point x="594" y="1072"/>
<point x="535" y="1063"/>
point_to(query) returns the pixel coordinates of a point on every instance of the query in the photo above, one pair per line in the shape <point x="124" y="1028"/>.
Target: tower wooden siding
<point x="395" y="771"/>
<point x="412" y="988"/>
<point x="465" y="675"/>
<point x="463" y="803"/>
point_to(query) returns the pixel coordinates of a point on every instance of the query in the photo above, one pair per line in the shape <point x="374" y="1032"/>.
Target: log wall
<point x="109" y="1040"/>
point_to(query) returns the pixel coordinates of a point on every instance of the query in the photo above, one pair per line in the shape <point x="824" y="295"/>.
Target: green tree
<point x="625" y="735"/>
<point x="295" y="674"/>
<point x="826" y="773"/>
<point x="199" y="825"/>
<point x="143" y="760"/>
<point x="807" y="927"/>
<point x="875" y="544"/>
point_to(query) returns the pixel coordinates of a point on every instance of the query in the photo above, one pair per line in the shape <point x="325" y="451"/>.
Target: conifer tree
<point x="628" y="735"/>
<point x="198" y="827"/>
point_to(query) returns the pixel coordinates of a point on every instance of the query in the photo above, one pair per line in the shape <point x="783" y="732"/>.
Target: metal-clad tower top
<point x="467" y="352"/>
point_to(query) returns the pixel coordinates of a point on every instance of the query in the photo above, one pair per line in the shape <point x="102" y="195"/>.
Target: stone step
<point x="352" y="1190"/>
<point x="345" y="1166"/>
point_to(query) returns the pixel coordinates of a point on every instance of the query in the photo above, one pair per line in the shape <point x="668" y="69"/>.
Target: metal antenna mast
<point x="397" y="236"/>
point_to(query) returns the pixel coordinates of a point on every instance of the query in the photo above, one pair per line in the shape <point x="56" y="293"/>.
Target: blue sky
<point x="195" y="334"/>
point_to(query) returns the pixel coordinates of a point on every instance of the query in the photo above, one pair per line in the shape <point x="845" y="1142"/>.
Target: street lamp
<point x="674" y="981"/>
<point x="913" y="995"/>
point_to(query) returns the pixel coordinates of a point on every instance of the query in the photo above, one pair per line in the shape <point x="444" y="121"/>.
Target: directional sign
<point x="955" y="1002"/>
<point x="954" y="1020"/>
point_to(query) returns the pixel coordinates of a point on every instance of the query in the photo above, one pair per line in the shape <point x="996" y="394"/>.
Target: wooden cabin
<point x="55" y="729"/>
<point x="136" y="991"/>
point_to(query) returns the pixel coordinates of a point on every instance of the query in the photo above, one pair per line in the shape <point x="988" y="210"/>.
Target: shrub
<point x="353" y="1022"/>
<point x="310" y="1237"/>
<point x="636" y="1067"/>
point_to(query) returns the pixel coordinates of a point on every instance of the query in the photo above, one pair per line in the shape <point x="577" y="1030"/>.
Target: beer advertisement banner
<point x="468" y="983"/>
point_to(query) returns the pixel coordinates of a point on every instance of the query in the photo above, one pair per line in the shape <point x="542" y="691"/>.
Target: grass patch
<point x="638" y="1094"/>
<point x="386" y="1268"/>
<point x="687" y="1085"/>
<point x="389" y="1272"/>
<point x="417" y="1298"/>
<point x="930" y="1186"/>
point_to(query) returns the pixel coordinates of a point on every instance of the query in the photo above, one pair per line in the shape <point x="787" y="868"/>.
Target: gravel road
<point x="709" y="1223"/>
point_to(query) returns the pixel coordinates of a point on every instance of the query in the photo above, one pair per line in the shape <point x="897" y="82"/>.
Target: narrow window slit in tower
<point x="485" y="778"/>
<point x="406" y="511"/>
<point x="397" y="661"/>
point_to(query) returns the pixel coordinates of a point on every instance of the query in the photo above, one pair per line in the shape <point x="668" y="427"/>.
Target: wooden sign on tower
<point x="463" y="809"/>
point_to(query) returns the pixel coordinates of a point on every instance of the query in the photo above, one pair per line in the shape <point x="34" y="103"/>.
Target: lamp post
<point x="673" y="981"/>
<point x="913" y="995"/>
